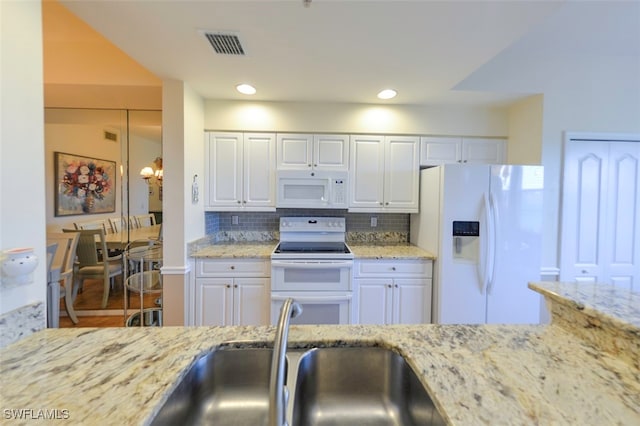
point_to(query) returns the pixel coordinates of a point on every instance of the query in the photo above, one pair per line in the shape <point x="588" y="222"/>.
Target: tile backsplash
<point x="391" y="227"/>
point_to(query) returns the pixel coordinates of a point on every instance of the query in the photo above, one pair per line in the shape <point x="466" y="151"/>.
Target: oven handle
<point x="311" y="264"/>
<point x="304" y="299"/>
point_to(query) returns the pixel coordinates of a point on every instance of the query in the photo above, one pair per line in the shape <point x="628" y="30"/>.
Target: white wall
<point x="22" y="166"/>
<point x="355" y="118"/>
<point x="603" y="97"/>
<point x="183" y="149"/>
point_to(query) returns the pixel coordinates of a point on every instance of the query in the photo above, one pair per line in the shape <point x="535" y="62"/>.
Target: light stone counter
<point x="491" y="374"/>
<point x="389" y="251"/>
<point x="263" y="249"/>
<point x="236" y="250"/>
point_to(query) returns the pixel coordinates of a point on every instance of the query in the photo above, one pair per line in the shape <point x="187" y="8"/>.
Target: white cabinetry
<point x="393" y="291"/>
<point x="442" y="150"/>
<point x="232" y="292"/>
<point x="240" y="172"/>
<point x="384" y="174"/>
<point x="312" y="152"/>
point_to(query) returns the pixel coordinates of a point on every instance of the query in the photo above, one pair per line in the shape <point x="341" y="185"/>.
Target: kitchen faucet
<point x="290" y="309"/>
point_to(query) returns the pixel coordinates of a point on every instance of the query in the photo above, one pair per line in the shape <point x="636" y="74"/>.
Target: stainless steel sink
<point x="329" y="386"/>
<point x="363" y="386"/>
<point x="224" y="387"/>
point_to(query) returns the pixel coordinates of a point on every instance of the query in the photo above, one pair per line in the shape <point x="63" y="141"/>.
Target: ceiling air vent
<point x="225" y="43"/>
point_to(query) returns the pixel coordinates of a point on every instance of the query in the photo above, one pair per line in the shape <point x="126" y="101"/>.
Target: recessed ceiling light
<point x="387" y="94"/>
<point x="246" y="89"/>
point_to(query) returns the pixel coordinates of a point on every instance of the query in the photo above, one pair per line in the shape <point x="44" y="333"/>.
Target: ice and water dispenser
<point x="466" y="241"/>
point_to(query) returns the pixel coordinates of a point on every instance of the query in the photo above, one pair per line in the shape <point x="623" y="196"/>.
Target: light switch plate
<point x="374" y="221"/>
<point x="234" y="220"/>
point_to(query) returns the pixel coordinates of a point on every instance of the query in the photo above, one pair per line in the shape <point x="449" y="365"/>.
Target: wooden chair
<point x="65" y="256"/>
<point x="117" y="224"/>
<point x="94" y="224"/>
<point x="133" y="223"/>
<point x="145" y="220"/>
<point x="90" y="266"/>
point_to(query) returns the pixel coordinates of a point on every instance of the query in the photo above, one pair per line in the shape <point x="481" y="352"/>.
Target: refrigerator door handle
<point x="493" y="238"/>
<point x="486" y="250"/>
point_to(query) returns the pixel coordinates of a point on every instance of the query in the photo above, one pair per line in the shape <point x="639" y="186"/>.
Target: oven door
<point x="318" y="307"/>
<point x="311" y="275"/>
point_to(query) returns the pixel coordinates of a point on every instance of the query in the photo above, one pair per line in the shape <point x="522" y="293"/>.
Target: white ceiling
<point x="347" y="51"/>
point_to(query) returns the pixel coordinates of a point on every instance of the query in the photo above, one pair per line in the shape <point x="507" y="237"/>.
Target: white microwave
<point x="312" y="189"/>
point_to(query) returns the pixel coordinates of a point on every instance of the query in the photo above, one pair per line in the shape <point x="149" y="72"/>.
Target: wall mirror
<point x="131" y="140"/>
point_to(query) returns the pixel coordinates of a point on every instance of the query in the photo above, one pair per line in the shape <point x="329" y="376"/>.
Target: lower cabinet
<point x="393" y="292"/>
<point x="240" y="297"/>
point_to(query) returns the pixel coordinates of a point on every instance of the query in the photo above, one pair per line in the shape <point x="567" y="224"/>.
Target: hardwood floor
<point x="90" y="299"/>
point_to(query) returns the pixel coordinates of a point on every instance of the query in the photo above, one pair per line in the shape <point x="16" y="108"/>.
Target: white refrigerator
<point x="484" y="223"/>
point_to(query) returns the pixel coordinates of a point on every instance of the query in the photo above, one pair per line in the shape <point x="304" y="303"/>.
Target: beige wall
<point x="525" y="131"/>
<point x="22" y="166"/>
<point x="355" y="118"/>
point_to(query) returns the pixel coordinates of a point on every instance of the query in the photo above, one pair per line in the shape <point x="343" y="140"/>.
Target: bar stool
<point x="142" y="262"/>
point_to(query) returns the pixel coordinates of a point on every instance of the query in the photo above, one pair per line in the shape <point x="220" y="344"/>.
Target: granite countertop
<point x="263" y="249"/>
<point x="389" y="251"/>
<point x="482" y="374"/>
<point x="260" y="250"/>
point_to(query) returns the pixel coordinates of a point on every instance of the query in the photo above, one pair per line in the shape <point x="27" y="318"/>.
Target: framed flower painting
<point x="84" y="185"/>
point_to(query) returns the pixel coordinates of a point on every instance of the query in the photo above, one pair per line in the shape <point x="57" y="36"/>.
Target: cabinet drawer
<point x="233" y="267"/>
<point x="393" y="268"/>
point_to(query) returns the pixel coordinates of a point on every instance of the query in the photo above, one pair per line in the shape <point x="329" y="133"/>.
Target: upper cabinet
<point x="442" y="150"/>
<point x="240" y="172"/>
<point x="312" y="152"/>
<point x="384" y="174"/>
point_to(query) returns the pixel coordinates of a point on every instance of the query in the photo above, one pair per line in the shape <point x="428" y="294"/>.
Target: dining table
<point x="120" y="240"/>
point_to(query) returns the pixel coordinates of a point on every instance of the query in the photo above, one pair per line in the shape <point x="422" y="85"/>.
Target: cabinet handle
<point x="396" y="286"/>
<point x="389" y="285"/>
<point x="228" y="286"/>
<point x="584" y="271"/>
<point x="233" y="267"/>
<point x="315" y="165"/>
<point x="236" y="286"/>
<point x="244" y="201"/>
<point x="239" y="201"/>
<point x="464" y="161"/>
<point x="308" y="165"/>
<point x="387" y="203"/>
<point x="393" y="268"/>
<point x="381" y="203"/>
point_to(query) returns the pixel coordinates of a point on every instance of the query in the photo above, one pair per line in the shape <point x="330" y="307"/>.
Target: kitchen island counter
<point x="484" y="374"/>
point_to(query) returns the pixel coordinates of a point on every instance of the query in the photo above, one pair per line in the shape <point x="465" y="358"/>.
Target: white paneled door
<point x="601" y="213"/>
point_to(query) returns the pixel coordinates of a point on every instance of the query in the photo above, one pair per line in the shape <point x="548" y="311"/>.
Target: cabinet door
<point x="374" y="300"/>
<point x="331" y="152"/>
<point x="483" y="151"/>
<point x="402" y="171"/>
<point x="440" y="150"/>
<point x="214" y="301"/>
<point x="412" y="301"/>
<point x="366" y="173"/>
<point x="294" y="151"/>
<point x="251" y="301"/>
<point x="223" y="183"/>
<point x="259" y="170"/>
